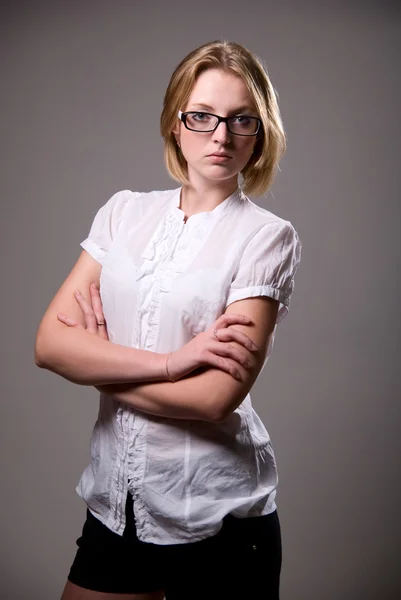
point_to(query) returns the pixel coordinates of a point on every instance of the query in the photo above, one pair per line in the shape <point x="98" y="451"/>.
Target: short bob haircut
<point x="233" y="58"/>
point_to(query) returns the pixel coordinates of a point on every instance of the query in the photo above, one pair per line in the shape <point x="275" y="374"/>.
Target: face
<point x="226" y="95"/>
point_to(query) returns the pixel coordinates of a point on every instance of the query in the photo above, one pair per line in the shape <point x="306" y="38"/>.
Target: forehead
<point x="220" y="90"/>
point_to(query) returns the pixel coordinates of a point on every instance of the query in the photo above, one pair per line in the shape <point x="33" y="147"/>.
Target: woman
<point x="193" y="282"/>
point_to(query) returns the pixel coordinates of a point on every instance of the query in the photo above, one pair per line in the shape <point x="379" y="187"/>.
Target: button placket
<point x="170" y="252"/>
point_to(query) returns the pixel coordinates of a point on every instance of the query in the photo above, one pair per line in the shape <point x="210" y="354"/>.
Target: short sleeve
<point x="268" y="265"/>
<point x="105" y="225"/>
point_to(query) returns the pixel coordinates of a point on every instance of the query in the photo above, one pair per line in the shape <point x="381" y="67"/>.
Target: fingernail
<point x="77" y="292"/>
<point x="94" y="286"/>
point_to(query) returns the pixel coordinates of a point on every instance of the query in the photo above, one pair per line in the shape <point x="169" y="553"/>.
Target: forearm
<point x="188" y="398"/>
<point x="87" y="359"/>
<point x="207" y="394"/>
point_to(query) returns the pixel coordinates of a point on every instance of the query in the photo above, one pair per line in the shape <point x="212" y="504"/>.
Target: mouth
<point x="220" y="155"/>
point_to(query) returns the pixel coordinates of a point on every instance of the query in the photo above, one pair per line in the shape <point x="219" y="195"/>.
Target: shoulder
<point x="264" y="223"/>
<point x="141" y="200"/>
<point x="130" y="197"/>
<point x="257" y="214"/>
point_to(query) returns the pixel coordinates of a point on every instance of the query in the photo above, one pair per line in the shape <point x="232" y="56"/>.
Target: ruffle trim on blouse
<point x="160" y="264"/>
<point x="118" y="476"/>
<point x="136" y="471"/>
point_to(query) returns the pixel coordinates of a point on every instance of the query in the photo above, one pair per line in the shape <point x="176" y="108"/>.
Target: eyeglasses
<point x="205" y="122"/>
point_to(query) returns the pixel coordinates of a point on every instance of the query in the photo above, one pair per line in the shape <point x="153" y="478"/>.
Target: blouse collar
<point x="228" y="205"/>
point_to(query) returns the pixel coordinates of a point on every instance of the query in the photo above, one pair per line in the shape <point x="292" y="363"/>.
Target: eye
<point x="241" y="120"/>
<point x="200" y="116"/>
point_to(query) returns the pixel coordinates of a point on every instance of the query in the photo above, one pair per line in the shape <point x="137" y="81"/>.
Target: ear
<point x="176" y="133"/>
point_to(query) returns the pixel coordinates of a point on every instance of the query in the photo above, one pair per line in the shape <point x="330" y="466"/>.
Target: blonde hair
<point x="233" y="58"/>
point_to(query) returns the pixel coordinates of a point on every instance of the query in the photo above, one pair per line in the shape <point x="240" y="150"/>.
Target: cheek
<point x="245" y="152"/>
<point x="192" y="146"/>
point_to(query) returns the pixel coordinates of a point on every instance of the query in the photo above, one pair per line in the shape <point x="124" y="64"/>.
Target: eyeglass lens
<point x="240" y="124"/>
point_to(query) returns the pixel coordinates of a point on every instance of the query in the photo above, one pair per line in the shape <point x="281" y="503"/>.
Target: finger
<point x="102" y="332"/>
<point x="68" y="321"/>
<point x="231" y="318"/>
<point x="235" y="352"/>
<point x="226" y="335"/>
<point x="90" y="319"/>
<point x="96" y="303"/>
<point x="98" y="310"/>
<point x="224" y="364"/>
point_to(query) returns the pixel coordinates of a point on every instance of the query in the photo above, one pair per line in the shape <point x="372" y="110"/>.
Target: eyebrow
<point x="235" y="111"/>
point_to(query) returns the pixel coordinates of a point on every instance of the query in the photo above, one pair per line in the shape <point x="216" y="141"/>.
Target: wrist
<point x="161" y="367"/>
<point x="168" y="372"/>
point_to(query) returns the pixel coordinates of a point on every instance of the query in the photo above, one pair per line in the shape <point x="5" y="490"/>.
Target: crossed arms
<point x="137" y="377"/>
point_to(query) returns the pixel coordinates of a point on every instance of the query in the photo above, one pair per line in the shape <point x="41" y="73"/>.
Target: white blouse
<point x="163" y="281"/>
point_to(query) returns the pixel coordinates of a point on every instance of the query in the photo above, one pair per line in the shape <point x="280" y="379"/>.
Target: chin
<point x="220" y="172"/>
<point x="216" y="172"/>
<point x="221" y="178"/>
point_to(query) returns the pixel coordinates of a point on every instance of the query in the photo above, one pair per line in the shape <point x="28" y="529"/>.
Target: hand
<point x="94" y="318"/>
<point x="214" y="348"/>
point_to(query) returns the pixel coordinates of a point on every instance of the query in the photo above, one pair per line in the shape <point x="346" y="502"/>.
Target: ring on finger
<point x="215" y="334"/>
<point x="101" y="323"/>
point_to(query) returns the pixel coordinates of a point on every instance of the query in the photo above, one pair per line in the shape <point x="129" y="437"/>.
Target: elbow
<point x="47" y="358"/>
<point x="40" y="361"/>
<point x="208" y="412"/>
<point x="219" y="396"/>
<point x="38" y="353"/>
<point x="41" y="355"/>
<point x="219" y="416"/>
<point x="222" y="409"/>
<point x="219" y="412"/>
<point x="51" y="355"/>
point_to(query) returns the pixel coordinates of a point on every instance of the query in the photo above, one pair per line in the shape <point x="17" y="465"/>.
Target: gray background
<point x="82" y="90"/>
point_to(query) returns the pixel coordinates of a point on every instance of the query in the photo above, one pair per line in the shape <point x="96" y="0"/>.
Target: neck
<point x="205" y="196"/>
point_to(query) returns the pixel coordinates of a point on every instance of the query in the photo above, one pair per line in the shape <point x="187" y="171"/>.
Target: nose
<point x="221" y="133"/>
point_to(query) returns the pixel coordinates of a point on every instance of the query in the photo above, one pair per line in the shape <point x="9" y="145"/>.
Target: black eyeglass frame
<point x="183" y="117"/>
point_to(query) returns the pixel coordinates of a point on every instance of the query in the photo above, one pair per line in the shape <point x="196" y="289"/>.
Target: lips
<point x="221" y="154"/>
